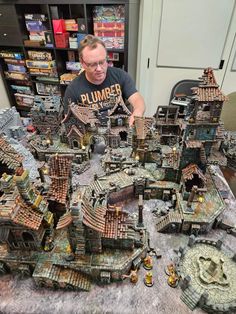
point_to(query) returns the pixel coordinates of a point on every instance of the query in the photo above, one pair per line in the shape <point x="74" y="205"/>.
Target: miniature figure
<point x="147" y="262"/>
<point x="48" y="244"/>
<point x="133" y="276"/>
<point x="173" y="278"/>
<point x="148" y="280"/>
<point x="170" y="269"/>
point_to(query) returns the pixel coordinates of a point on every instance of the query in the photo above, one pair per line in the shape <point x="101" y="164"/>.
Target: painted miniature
<point x="147" y="262"/>
<point x="148" y="280"/>
<point x="133" y="276"/>
<point x="173" y="278"/>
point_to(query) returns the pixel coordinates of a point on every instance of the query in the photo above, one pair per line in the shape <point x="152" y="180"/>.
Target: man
<point x="94" y="86"/>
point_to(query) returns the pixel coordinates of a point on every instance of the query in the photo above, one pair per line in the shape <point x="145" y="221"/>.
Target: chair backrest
<point x="183" y="87"/>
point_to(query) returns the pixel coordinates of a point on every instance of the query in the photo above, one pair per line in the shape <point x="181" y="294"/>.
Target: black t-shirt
<point x="81" y="91"/>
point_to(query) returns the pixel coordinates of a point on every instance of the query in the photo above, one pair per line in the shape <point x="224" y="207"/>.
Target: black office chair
<point x="183" y="87"/>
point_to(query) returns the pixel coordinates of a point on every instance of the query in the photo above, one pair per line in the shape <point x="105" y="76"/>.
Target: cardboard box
<point x="73" y="66"/>
<point x="33" y="43"/>
<point x="14" y="61"/>
<point x="47" y="89"/>
<point x="43" y="72"/>
<point x="108" y="26"/>
<point x="35" y="26"/>
<point x="12" y="55"/>
<point x="59" y="26"/>
<point x="22" y="89"/>
<point x="113" y="56"/>
<point x="37" y="36"/>
<point x="39" y="55"/>
<point x="16" y="68"/>
<point x="35" y="17"/>
<point x="48" y="39"/>
<point x="113" y="42"/>
<point x="71" y="25"/>
<point x="41" y="64"/>
<point x="66" y="78"/>
<point x="80" y="37"/>
<point x="24" y="100"/>
<point x="16" y="76"/>
<point x="73" y="45"/>
<point x="109" y="13"/>
<point x="109" y="33"/>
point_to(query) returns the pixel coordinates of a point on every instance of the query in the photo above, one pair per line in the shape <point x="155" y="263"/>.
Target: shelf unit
<point x="13" y="33"/>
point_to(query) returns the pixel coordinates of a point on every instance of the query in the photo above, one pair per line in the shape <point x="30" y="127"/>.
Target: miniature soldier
<point x="173" y="280"/>
<point x="48" y="244"/>
<point x="147" y="262"/>
<point x="148" y="280"/>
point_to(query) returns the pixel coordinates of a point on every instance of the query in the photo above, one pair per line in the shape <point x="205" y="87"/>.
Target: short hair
<point x="90" y="41"/>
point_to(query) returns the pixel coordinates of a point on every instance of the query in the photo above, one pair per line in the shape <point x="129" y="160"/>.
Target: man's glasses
<point x="94" y="65"/>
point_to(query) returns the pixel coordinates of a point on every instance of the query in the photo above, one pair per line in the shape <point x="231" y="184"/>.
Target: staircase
<point x="169" y="219"/>
<point x="190" y="297"/>
<point x="66" y="278"/>
<point x="78" y="280"/>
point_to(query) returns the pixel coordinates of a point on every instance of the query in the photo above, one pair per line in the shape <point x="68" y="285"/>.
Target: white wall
<point x="164" y="39"/>
<point x="4" y="101"/>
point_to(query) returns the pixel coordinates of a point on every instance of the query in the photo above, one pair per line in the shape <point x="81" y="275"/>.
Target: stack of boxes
<point x="17" y="71"/>
<point x="60" y="34"/>
<point x="41" y="63"/>
<point x="15" y="63"/>
<point x="37" y="26"/>
<point x="72" y="26"/>
<point x="109" y="25"/>
<point x="66" y="33"/>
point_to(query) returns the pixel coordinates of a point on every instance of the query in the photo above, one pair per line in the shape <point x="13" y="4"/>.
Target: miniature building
<point x="24" y="216"/>
<point x="47" y="113"/>
<point x="60" y="186"/>
<point x="201" y="128"/>
<point x="145" y="143"/>
<point x="9" y="158"/>
<point x="80" y="124"/>
<point x="168" y="124"/>
<point x="118" y="123"/>
<point x="10" y="123"/>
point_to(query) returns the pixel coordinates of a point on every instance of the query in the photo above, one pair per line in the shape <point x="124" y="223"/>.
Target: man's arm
<point x="137" y="102"/>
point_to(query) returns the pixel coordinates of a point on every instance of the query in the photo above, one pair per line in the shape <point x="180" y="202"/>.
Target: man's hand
<point x="131" y="120"/>
<point x="137" y="102"/>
